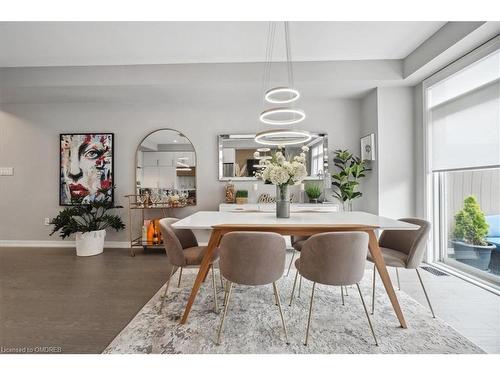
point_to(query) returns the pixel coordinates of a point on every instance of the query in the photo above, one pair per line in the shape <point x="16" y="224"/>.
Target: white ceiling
<point x="130" y="43"/>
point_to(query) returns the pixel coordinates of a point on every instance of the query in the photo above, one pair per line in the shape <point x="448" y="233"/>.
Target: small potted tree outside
<point x="313" y="192"/>
<point x="469" y="235"/>
<point x="88" y="221"/>
<point x="242" y="196"/>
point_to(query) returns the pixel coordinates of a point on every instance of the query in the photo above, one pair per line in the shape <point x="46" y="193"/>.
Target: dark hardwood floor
<point x="49" y="297"/>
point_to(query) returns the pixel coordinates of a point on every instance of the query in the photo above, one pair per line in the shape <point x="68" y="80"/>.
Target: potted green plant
<point x="313" y="192"/>
<point x="469" y="235"/>
<point x="88" y="221"/>
<point x="346" y="182"/>
<point x="241" y="196"/>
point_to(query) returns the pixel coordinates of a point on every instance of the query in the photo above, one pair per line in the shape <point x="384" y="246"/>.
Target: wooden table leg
<point x="204" y="267"/>
<point x="378" y="259"/>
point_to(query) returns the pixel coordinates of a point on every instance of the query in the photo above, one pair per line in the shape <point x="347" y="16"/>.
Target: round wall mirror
<point x="166" y="167"/>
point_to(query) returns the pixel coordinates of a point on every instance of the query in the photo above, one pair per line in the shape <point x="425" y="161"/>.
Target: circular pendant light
<point x="281" y="95"/>
<point x="263" y="149"/>
<point x="282" y="116"/>
<point x="264" y="157"/>
<point x="282" y="137"/>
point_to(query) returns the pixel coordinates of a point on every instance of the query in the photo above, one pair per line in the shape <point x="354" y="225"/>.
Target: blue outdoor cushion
<point x="494" y="223"/>
<point x="495" y="241"/>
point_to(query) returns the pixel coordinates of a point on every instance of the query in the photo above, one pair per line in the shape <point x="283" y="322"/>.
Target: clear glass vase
<point x="347" y="205"/>
<point x="282" y="201"/>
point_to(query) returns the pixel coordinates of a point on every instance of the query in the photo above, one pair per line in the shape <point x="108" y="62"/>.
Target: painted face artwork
<point x="86" y="166"/>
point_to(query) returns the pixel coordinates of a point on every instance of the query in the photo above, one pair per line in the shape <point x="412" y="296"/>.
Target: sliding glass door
<point x="462" y="134"/>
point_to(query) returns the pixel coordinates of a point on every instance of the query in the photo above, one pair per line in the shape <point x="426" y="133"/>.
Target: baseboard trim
<point x="69" y="244"/>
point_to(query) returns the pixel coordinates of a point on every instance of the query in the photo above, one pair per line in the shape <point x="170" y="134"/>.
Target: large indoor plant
<point x="283" y="172"/>
<point x="89" y="222"/>
<point x="469" y="235"/>
<point x="346" y="181"/>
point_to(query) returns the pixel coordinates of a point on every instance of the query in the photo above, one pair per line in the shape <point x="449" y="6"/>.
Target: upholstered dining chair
<point x="404" y="249"/>
<point x="183" y="251"/>
<point x="336" y="258"/>
<point x="297" y="243"/>
<point x="251" y="258"/>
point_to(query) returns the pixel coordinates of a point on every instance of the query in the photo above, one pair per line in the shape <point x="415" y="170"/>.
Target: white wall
<point x="29" y="136"/>
<point x="396" y="155"/>
<point x="369" y="201"/>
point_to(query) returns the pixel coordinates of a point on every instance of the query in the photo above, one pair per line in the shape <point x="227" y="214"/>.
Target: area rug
<point x="253" y="323"/>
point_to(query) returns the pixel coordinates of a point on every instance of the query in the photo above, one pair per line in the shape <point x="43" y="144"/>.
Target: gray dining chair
<point x="336" y="258"/>
<point x="404" y="249"/>
<point x="251" y="258"/>
<point x="183" y="251"/>
<point x="297" y="243"/>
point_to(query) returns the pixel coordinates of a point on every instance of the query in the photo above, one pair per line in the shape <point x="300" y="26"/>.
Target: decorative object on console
<point x="88" y="219"/>
<point x="282" y="173"/>
<point x="86" y="167"/>
<point x="313" y="192"/>
<point x="346" y="181"/>
<point x="242" y="196"/>
<point x="266" y="198"/>
<point x="471" y="229"/>
<point x="368" y="147"/>
<point x="229" y="192"/>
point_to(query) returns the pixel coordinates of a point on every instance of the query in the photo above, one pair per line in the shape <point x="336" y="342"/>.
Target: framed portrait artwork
<point x="86" y="166"/>
<point x="368" y="147"/>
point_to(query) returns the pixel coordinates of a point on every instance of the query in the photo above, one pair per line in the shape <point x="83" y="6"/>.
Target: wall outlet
<point x="7" y="171"/>
<point x="46" y="221"/>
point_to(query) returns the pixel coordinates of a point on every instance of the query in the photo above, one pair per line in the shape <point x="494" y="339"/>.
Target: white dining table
<point x="300" y="224"/>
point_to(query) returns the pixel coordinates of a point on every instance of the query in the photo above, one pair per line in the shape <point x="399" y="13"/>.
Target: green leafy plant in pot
<point x="346" y="181"/>
<point x="469" y="235"/>
<point x="313" y="192"/>
<point x="242" y="196"/>
<point x="88" y="221"/>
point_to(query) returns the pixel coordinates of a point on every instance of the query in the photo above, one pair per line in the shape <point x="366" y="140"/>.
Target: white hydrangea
<point x="280" y="171"/>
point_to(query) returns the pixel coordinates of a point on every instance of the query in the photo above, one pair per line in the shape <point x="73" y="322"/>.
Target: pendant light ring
<point x="282" y="137"/>
<point x="296" y="115"/>
<point x="281" y="95"/>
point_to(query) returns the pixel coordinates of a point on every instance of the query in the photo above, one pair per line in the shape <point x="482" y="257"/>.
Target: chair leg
<point x="226" y="289"/>
<point x="397" y="276"/>
<point x="425" y="292"/>
<point x="310" y="312"/>
<point x="367" y="315"/>
<point x="180" y="276"/>
<point x="229" y="287"/>
<point x="278" y="299"/>
<point x="373" y="288"/>
<point x="342" y="294"/>
<point x="300" y="286"/>
<point x="166" y="289"/>
<point x="290" y="265"/>
<point x="346" y="292"/>
<point x="293" y="289"/>
<point x="220" y="276"/>
<point x="216" y="305"/>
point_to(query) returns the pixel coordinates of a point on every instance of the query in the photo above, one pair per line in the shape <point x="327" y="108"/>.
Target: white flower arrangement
<point x="281" y="171"/>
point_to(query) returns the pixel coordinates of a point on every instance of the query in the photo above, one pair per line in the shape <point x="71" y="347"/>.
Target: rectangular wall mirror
<point x="237" y="162"/>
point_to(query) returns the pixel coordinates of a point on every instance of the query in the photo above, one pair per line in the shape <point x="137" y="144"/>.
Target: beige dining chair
<point x="183" y="251"/>
<point x="251" y="258"/>
<point x="404" y="249"/>
<point x="297" y="243"/>
<point x="336" y="258"/>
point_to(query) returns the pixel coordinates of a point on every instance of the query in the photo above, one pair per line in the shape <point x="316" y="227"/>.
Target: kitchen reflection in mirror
<point x="166" y="166"/>
<point x="237" y="156"/>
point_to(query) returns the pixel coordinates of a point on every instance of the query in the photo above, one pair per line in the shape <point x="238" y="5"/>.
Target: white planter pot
<point x="90" y="243"/>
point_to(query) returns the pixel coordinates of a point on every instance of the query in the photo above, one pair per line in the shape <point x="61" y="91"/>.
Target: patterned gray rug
<point x="253" y="323"/>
